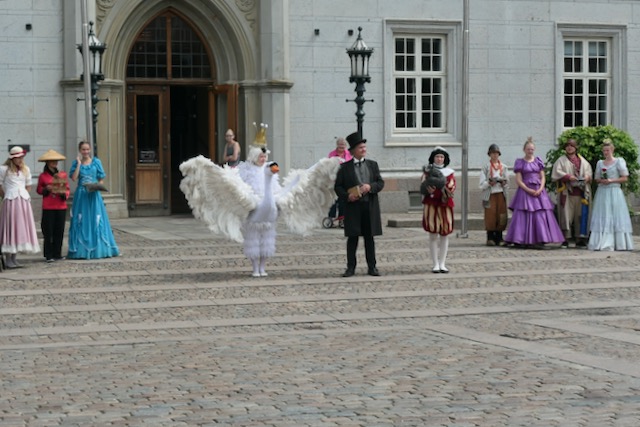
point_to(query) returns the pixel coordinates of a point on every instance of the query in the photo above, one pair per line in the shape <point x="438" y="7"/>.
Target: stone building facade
<point x="178" y="73"/>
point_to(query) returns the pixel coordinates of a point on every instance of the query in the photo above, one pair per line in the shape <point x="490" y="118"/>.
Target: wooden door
<point x="148" y="134"/>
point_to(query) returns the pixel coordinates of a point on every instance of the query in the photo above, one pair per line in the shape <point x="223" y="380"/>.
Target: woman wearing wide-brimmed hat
<point x="17" y="227"/>
<point x="53" y="185"/>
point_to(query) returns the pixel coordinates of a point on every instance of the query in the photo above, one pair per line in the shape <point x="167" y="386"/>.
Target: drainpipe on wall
<point x="464" y="196"/>
<point x="86" y="67"/>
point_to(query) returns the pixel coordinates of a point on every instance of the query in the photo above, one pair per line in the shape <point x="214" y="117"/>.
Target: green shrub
<point x="590" y="147"/>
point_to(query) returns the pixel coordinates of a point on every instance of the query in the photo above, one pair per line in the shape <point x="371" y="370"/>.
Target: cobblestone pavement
<point x="175" y="332"/>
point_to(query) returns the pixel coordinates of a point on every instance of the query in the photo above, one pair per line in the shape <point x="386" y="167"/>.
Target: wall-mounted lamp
<point x="350" y="32"/>
<point x="317" y="31"/>
<point x="28" y="27"/>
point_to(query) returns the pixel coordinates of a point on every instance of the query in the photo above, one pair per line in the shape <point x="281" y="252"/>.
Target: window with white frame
<point x="587" y="79"/>
<point x="420" y="83"/>
<point x="422" y="78"/>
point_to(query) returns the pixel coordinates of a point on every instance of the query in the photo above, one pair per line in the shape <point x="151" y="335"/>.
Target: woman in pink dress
<point x="344" y="155"/>
<point x="17" y="227"/>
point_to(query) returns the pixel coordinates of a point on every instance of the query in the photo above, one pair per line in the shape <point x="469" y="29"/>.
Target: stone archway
<point x="229" y="39"/>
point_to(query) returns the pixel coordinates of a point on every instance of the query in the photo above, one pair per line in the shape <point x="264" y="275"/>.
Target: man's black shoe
<point x="348" y="272"/>
<point x="374" y="272"/>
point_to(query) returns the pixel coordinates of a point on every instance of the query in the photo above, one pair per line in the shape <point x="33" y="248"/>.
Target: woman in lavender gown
<point x="532" y="222"/>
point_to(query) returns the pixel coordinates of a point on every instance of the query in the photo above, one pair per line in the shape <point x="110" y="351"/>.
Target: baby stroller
<point x="330" y="222"/>
<point x="335" y="217"/>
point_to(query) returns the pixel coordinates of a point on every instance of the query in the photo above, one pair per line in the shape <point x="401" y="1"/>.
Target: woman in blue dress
<point x="90" y="234"/>
<point x="610" y="221"/>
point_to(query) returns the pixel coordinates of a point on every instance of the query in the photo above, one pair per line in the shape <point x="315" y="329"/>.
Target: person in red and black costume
<point x="437" y="217"/>
<point x="53" y="185"/>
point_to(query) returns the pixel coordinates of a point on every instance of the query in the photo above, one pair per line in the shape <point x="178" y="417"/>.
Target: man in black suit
<point x="357" y="185"/>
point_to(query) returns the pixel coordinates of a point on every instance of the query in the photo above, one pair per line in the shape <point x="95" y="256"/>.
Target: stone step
<point x="414" y="220"/>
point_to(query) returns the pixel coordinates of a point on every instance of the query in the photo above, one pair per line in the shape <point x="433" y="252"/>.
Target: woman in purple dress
<point x="532" y="223"/>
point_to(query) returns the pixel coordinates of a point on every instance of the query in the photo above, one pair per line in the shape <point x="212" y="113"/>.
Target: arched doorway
<point x="175" y="111"/>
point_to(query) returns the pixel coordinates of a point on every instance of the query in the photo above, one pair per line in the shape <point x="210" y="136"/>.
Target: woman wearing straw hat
<point x="17" y="227"/>
<point x="53" y="185"/>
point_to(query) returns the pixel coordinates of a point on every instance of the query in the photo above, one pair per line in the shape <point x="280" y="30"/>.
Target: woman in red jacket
<point x="53" y="185"/>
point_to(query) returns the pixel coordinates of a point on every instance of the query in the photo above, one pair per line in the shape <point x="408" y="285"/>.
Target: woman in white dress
<point x="610" y="221"/>
<point x="17" y="227"/>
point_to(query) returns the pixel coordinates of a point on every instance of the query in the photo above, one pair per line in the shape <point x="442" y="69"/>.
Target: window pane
<point x="568" y="86"/>
<point x="437" y="104"/>
<point x="437" y="46"/>
<point x="577" y="65"/>
<point x="437" y="120"/>
<point x="602" y="86"/>
<point x="411" y="63"/>
<point x="568" y="48"/>
<point x="426" y="63"/>
<point x="437" y="63"/>
<point x="420" y="85"/>
<point x="411" y="120"/>
<point x="572" y="56"/>
<point x="602" y="65"/>
<point x="602" y="103"/>
<point x="568" y="103"/>
<point x="586" y="100"/>
<point x="411" y="103"/>
<point x="189" y="58"/>
<point x="147" y="136"/>
<point x="437" y="85"/>
<point x="411" y="46"/>
<point x="426" y="120"/>
<point x="148" y="57"/>
<point x="411" y="85"/>
<point x="426" y="103"/>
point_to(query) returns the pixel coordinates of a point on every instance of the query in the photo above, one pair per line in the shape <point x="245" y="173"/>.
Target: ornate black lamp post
<point x="359" y="55"/>
<point x="96" y="49"/>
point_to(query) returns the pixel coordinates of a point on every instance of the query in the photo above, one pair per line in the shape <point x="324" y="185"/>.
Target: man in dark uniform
<point x="357" y="185"/>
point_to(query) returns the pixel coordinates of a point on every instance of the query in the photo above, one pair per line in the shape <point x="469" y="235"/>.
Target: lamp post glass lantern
<point x="359" y="55"/>
<point x="96" y="50"/>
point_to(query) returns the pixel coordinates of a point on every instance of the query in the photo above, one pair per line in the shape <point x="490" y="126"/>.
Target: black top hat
<point x="354" y="140"/>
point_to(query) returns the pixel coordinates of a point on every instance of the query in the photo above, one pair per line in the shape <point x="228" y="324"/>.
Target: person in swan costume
<point x="244" y="203"/>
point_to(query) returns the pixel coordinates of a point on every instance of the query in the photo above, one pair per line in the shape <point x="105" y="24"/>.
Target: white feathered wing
<point x="307" y="195"/>
<point x="217" y="196"/>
